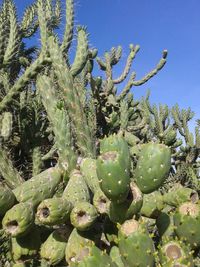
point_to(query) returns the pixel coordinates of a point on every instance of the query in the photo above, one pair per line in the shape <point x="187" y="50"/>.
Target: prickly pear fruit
<point x="174" y="252"/>
<point x="152" y="205"/>
<point x="179" y="194"/>
<point x="53" y="249"/>
<point x="83" y="216"/>
<point x="76" y="189"/>
<point x="7" y="199"/>
<point x="19" y="219"/>
<point x="26" y="246"/>
<point x="39" y="187"/>
<point x="187" y="221"/>
<point x="135" y="245"/>
<point x="153" y="166"/>
<point x="53" y="211"/>
<point x="114" y="177"/>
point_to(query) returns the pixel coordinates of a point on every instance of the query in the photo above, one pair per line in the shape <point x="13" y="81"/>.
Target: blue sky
<point x="154" y="25"/>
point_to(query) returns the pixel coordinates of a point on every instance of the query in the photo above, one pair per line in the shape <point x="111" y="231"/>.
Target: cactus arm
<point x="127" y="88"/>
<point x="123" y="115"/>
<point x="70" y="96"/>
<point x="59" y="120"/>
<point x="50" y="153"/>
<point x="36" y="160"/>
<point x="42" y="19"/>
<point x="81" y="52"/>
<point x="2" y="34"/>
<point x="68" y="35"/>
<point x="153" y="72"/>
<point x="14" y="40"/>
<point x="27" y="27"/>
<point x="132" y="54"/>
<point x="7" y="170"/>
<point x="29" y="73"/>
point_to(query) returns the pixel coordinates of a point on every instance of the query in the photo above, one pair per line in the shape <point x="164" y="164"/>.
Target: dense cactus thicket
<point x="89" y="176"/>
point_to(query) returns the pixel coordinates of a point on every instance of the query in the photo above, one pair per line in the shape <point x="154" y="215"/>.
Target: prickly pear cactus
<point x="153" y="167"/>
<point x="89" y="175"/>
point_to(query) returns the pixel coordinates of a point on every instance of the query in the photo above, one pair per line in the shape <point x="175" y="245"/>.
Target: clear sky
<point x="154" y="25"/>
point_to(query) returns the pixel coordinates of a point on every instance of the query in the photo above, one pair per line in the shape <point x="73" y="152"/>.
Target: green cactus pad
<point x="53" y="211"/>
<point x="39" y="187"/>
<point x="116" y="257"/>
<point x="7" y="199"/>
<point x="76" y="189"/>
<point x="179" y="194"/>
<point x="101" y="202"/>
<point x="19" y="219"/>
<point x="53" y="249"/>
<point x="175" y="252"/>
<point x="88" y="169"/>
<point x="116" y="143"/>
<point x="152" y="167"/>
<point x="165" y="224"/>
<point x="77" y="247"/>
<point x="135" y="245"/>
<point x="83" y="216"/>
<point x="113" y="176"/>
<point x="96" y="257"/>
<point x="119" y="212"/>
<point x="26" y="246"/>
<point x="187" y="221"/>
<point x="152" y="205"/>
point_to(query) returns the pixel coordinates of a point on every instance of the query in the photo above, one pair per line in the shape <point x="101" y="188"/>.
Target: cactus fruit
<point x="53" y="211"/>
<point x="114" y="177"/>
<point x="175" y="252"/>
<point x="19" y="219"/>
<point x="83" y="216"/>
<point x="7" y="199"/>
<point x="53" y="249"/>
<point x="187" y="221"/>
<point x="135" y="245"/>
<point x="39" y="187"/>
<point x="152" y="167"/>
